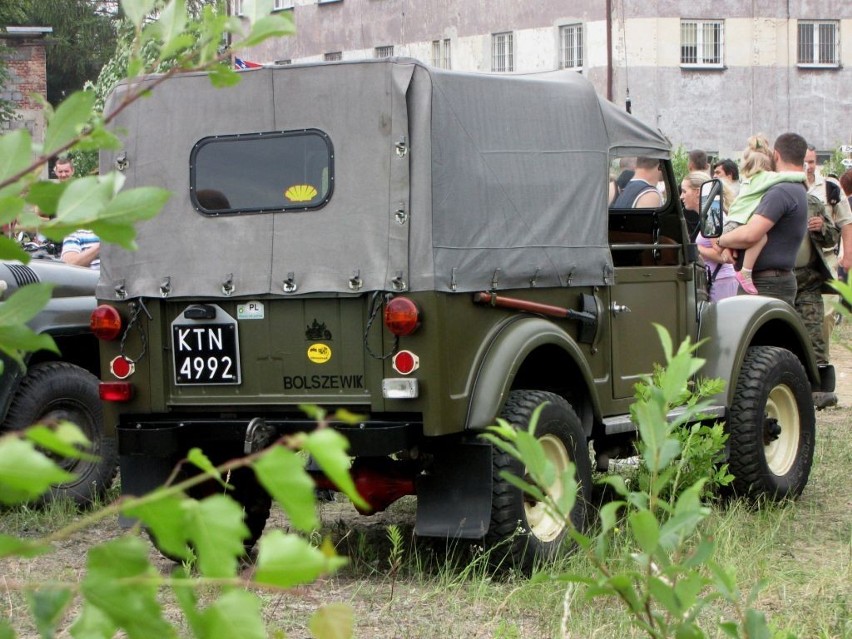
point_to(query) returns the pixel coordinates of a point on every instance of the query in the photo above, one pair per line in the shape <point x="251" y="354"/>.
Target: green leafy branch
<point x="120" y="589"/>
<point x="672" y="577"/>
<point x="98" y="202"/>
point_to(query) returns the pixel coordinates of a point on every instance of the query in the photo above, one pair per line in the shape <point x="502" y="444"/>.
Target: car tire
<point x="246" y="491"/>
<point x="256" y="503"/>
<point x="522" y="532"/>
<point x="62" y="391"/>
<point x="772" y="425"/>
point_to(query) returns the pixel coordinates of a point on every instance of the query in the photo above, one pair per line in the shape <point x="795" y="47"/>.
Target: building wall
<point x="26" y="63"/>
<point x="758" y="89"/>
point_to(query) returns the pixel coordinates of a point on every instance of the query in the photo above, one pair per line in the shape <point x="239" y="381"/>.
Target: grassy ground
<point x="801" y="552"/>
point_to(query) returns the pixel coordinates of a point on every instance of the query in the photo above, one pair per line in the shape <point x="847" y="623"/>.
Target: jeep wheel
<point x="247" y="492"/>
<point x="522" y="530"/>
<point x="772" y="425"/>
<point x="61" y="391"/>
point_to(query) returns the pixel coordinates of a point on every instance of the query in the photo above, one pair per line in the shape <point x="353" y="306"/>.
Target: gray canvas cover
<point x="443" y="180"/>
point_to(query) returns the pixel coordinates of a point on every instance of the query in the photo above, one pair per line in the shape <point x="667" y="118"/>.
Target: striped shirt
<point x="80" y="241"/>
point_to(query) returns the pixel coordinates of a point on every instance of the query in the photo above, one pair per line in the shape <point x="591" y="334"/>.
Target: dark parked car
<point x="60" y="386"/>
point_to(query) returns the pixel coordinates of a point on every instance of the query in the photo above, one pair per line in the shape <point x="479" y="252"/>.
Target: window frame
<point x="442" y="53"/>
<point x="578" y="49"/>
<point x="817" y="44"/>
<point x="700" y="45"/>
<point x="264" y="135"/>
<point x="332" y="56"/>
<point x="383" y="51"/>
<point x="503" y="61"/>
<point x="282" y="5"/>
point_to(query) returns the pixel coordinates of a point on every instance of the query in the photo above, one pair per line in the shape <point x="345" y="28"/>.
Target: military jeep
<point x="430" y="250"/>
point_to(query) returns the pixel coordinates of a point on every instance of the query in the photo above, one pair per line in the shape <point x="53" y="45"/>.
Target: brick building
<point x="25" y="59"/>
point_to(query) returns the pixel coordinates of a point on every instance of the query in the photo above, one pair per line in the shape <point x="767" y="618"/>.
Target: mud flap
<point x="454" y="497"/>
<point x="146" y="458"/>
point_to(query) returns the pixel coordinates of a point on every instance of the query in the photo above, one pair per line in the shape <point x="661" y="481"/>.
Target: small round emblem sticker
<point x="319" y="353"/>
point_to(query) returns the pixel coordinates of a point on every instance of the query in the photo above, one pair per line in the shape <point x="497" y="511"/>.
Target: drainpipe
<point x="609" y="50"/>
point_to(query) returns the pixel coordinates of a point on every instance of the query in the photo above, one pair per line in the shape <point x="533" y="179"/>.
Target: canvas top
<point x="421" y="179"/>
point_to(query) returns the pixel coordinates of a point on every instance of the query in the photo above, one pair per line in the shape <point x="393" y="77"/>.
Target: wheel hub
<point x="781" y="430"/>
<point x="771" y="430"/>
<point x="540" y="520"/>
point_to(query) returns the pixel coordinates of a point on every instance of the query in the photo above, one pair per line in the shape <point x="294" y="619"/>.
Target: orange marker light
<point x="105" y="322"/>
<point x="402" y="317"/>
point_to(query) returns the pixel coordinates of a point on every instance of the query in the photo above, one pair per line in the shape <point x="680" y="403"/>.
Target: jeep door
<point x="651" y="285"/>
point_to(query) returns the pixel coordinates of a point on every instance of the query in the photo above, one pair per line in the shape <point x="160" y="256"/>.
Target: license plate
<point x="206" y="353"/>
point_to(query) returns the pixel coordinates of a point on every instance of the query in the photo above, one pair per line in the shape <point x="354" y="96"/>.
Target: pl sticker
<point x="250" y="311"/>
<point x="319" y="353"/>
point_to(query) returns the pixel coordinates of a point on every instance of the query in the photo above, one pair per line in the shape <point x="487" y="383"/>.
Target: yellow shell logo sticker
<point x="319" y="353"/>
<point x="300" y="193"/>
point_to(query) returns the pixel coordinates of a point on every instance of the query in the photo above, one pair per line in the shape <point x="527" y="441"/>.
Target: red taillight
<point x="115" y="391"/>
<point x="402" y="316"/>
<point x="105" y="323"/>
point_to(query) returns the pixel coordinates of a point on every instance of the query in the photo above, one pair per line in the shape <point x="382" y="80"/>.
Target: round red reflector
<point x="105" y="322"/>
<point x="405" y="362"/>
<point x="401" y="316"/>
<point x="122" y="367"/>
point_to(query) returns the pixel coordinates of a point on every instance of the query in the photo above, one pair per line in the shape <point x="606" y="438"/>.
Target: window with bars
<point x="702" y="43"/>
<point x="384" y="52"/>
<point x="819" y="43"/>
<point x="332" y="56"/>
<point x="441" y="54"/>
<point x="571" y="46"/>
<point x="502" y="52"/>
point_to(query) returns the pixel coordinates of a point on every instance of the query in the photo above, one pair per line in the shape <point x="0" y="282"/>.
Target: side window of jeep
<point x="262" y="172"/>
<point x="644" y="227"/>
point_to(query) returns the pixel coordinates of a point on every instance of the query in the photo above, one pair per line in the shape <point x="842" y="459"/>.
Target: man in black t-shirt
<point x="781" y="216"/>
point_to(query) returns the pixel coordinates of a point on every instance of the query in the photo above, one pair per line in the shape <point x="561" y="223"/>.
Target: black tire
<point x="772" y="425"/>
<point x="521" y="532"/>
<point x="61" y="391"/>
<point x="247" y="492"/>
<point x="255" y="501"/>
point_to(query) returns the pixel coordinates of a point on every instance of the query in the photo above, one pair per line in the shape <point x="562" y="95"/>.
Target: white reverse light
<point x="399" y="388"/>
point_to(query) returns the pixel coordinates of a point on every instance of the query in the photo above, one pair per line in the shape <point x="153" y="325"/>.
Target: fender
<point x="729" y="326"/>
<point x="503" y="358"/>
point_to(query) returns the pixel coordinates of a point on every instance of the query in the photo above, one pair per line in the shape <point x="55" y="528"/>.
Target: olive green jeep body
<point x="429" y="250"/>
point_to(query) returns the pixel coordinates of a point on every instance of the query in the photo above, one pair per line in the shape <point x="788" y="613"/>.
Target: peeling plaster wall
<point x="759" y="88"/>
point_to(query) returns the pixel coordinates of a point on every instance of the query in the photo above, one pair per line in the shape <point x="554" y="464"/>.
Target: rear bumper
<point x="150" y="448"/>
<point x="170" y="438"/>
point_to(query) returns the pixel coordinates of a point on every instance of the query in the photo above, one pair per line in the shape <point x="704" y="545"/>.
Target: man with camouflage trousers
<point x="812" y="273"/>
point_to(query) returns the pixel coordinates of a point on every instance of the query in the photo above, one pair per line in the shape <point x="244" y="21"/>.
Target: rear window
<point x="257" y="172"/>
